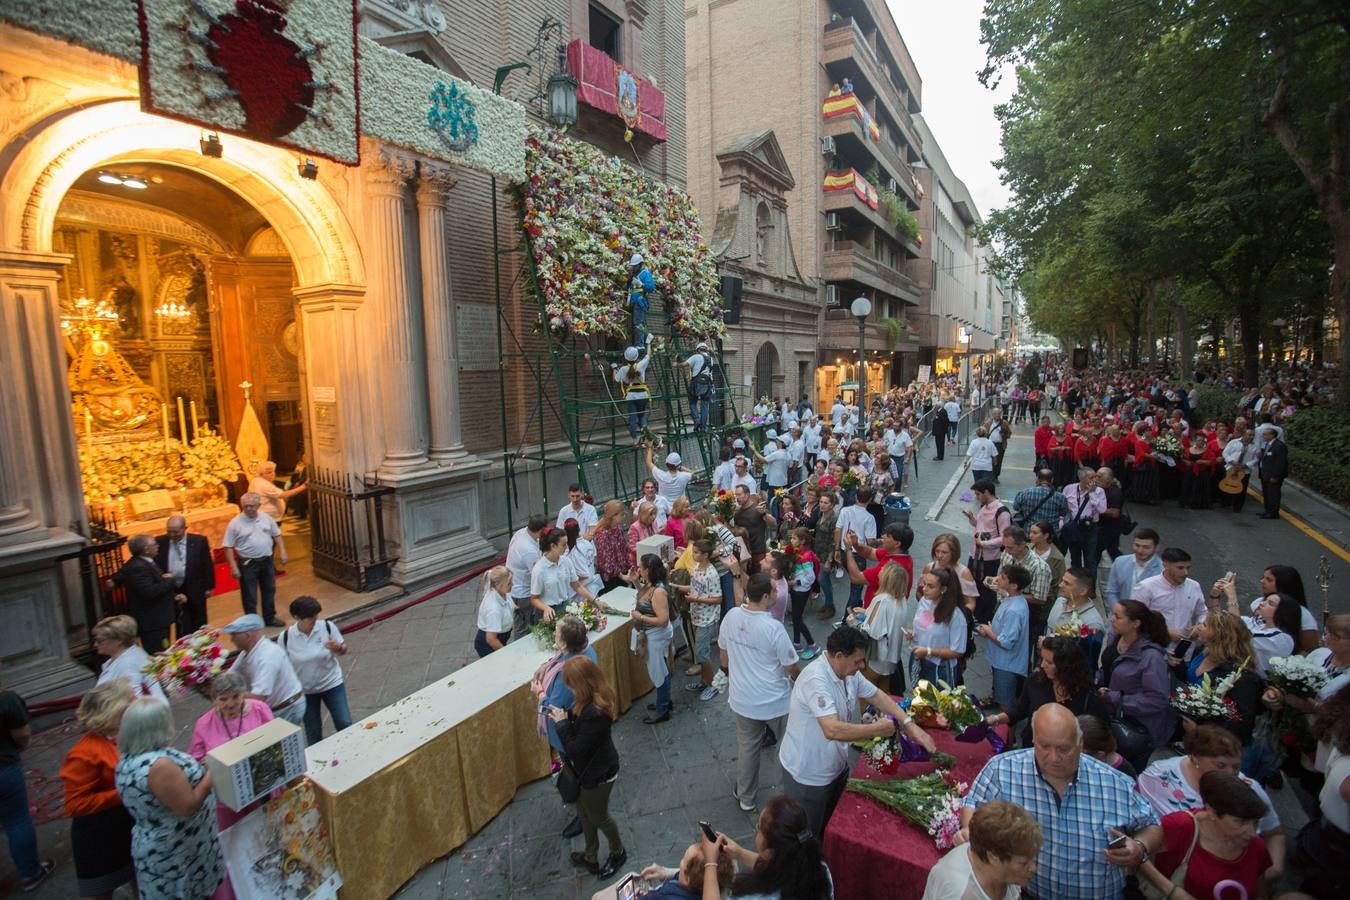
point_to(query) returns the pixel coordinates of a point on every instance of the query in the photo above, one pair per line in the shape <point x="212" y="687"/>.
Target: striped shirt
<point x="1071" y="865"/>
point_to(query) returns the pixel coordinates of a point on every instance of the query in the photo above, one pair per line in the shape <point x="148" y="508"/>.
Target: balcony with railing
<point x="850" y="261"/>
<point x="840" y="332"/>
<point x="845" y="52"/>
<point x="849" y="193"/>
<point x="857" y="135"/>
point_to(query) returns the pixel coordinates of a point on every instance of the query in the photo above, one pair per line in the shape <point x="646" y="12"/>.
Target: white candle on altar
<point x="164" y="421"/>
<point x="182" y="421"/>
<point x="88" y="423"/>
<point x="192" y="406"/>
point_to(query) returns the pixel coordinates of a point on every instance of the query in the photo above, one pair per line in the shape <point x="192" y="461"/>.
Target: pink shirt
<point x="988" y="520"/>
<point x="211" y="731"/>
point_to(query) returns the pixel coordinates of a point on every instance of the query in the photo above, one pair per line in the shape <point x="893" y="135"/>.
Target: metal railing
<point x="970" y="420"/>
<point x="348" y="530"/>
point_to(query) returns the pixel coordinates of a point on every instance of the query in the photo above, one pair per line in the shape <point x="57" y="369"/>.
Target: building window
<point x="604" y="32"/>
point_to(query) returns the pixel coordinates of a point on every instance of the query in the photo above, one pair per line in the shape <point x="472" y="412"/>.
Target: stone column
<point x="438" y="316"/>
<point x="388" y="173"/>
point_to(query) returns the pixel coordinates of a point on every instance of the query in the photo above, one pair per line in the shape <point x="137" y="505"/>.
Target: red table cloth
<point x="872" y="852"/>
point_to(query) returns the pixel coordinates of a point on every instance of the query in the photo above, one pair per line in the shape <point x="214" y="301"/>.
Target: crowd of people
<point x="1105" y="786"/>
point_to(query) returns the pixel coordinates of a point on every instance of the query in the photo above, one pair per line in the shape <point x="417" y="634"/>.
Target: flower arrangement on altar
<point x="594" y="615"/>
<point x="115" y="468"/>
<point x="1209" y="699"/>
<point x="1296" y="675"/>
<point x="944" y="706"/>
<point x="932" y="801"/>
<point x="586" y="213"/>
<point x="191" y="662"/>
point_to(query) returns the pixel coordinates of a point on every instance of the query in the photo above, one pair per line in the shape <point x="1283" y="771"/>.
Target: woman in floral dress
<point x="174" y="844"/>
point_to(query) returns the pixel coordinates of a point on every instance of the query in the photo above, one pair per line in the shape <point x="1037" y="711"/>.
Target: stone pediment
<point x="758" y="153"/>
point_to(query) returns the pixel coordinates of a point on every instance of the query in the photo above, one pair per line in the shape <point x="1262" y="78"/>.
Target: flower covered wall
<point x="586" y="213"/>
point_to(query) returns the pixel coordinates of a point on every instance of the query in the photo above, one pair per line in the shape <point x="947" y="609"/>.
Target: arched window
<point x="766" y="370"/>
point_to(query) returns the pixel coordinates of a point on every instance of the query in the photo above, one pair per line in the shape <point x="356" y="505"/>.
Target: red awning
<point x="597" y="76"/>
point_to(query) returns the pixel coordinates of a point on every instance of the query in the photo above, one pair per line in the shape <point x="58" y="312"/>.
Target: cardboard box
<point x="257" y="762"/>
<point x="660" y="544"/>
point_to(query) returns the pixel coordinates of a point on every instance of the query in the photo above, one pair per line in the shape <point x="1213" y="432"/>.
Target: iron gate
<point x="98" y="561"/>
<point x="347" y="522"/>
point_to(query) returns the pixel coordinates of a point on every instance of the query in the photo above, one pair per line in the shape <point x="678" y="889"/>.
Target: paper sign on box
<point x="256" y="762"/>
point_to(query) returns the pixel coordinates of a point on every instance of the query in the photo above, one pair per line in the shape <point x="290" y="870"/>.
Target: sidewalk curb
<point x="936" y="509"/>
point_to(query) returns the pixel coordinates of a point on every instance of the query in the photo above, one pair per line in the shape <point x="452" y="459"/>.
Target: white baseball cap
<point x="738" y="444"/>
<point x="672" y="459"/>
<point x="702" y="345"/>
<point x="631" y="354"/>
<point x="636" y="260"/>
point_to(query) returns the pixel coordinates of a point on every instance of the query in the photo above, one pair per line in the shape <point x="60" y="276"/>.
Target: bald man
<point x="1082" y="805"/>
<point x="187" y="557"/>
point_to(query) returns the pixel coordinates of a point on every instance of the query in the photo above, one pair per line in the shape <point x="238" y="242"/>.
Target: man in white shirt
<point x="271" y="677"/>
<point x="760" y="662"/>
<point x="577" y="508"/>
<point x="1241" y="452"/>
<point x="721" y="476"/>
<point x="1178" y="597"/>
<point x="248" y="543"/>
<point x="859" y="520"/>
<point x="796" y="456"/>
<point x="776" y="461"/>
<point x="821" y="725"/>
<point x="671" y="481"/>
<point x="740" y="475"/>
<point x="649" y="495"/>
<point x="838" y="411"/>
<point x="811" y="440"/>
<point x="953" y="408"/>
<point x="700" y="366"/>
<point x="521" y="555"/>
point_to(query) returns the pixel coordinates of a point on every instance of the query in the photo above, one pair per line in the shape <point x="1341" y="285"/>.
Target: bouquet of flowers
<point x="1296" y="675"/>
<point x="1074" y="628"/>
<point x="723" y="505"/>
<point x="1209" y="699"/>
<point x="932" y="801"/>
<point x="594" y="615"/>
<point x="191" y="662"/>
<point x="1167" y="448"/>
<point x="944" y="706"/>
<point x="850" y="480"/>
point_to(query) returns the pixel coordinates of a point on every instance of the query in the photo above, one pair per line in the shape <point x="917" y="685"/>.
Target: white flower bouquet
<point x="1209" y="699"/>
<point x="1296" y="675"/>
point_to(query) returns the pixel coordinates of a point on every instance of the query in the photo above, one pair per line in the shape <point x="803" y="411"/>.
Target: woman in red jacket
<point x="1041" y="440"/>
<point x="1086" y="449"/>
<point x="1144" y="477"/>
<point x="1197" y="479"/>
<point x="1061" y="458"/>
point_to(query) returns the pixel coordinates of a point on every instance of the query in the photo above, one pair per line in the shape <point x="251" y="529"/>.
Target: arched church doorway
<point x="766" y="371"/>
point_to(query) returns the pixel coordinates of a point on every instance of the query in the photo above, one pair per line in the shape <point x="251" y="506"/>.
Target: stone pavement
<point x="673" y="774"/>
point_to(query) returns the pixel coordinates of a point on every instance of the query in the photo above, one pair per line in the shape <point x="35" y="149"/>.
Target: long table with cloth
<point x="872" y="851"/>
<point x="418" y="778"/>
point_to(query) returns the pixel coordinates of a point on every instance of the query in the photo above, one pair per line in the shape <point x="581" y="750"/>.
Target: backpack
<point x="700" y="385"/>
<point x="281" y="638"/>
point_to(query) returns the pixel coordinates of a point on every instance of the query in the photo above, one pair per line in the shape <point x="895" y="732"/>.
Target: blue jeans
<point x="18" y="821"/>
<point x="935" y="670"/>
<point x="663" y="696"/>
<point x="639" y="323"/>
<point x="855" y="591"/>
<point x="336" y="701"/>
<point x="1006" y="686"/>
<point x="728" y="592"/>
<point x="699" y="407"/>
<point x="637" y="416"/>
<point x="255" y="575"/>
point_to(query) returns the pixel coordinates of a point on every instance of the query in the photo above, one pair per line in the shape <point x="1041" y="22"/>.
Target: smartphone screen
<point x="708" y="831"/>
<point x="1118" y="843"/>
<point x="628" y="888"/>
<point x="1183" y="647"/>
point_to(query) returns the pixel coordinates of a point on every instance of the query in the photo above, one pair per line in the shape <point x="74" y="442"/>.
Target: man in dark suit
<point x="151" y="595"/>
<point x="1273" y="469"/>
<point x="187" y="557"/>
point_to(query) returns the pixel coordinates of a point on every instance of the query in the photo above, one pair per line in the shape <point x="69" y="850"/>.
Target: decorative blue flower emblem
<point x="451" y="117"/>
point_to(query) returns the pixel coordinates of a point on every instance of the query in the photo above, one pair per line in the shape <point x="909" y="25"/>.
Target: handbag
<point x="1132" y="739"/>
<point x="569" y="782"/>
<point x="1070" y="533"/>
<point x="1178" y="880"/>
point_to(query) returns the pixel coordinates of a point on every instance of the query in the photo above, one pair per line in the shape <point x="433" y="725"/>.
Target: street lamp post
<point x="861" y="309"/>
<point x="964" y="336"/>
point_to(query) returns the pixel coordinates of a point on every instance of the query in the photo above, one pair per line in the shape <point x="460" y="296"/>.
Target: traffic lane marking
<point x="1307" y="529"/>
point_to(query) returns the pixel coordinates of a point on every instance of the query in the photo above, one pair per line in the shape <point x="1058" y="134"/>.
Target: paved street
<point x="682" y="771"/>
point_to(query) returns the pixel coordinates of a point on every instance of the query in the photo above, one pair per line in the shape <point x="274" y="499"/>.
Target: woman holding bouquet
<point x="1226" y="647"/>
<point x="100" y="826"/>
<point x="115" y="638"/>
<point x="1334" y="657"/>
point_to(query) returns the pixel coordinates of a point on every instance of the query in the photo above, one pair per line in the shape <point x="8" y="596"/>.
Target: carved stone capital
<point x="434" y="183"/>
<point x="390" y="169"/>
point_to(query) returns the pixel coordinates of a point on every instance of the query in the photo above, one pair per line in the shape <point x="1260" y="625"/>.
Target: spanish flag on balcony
<point x="849" y="105"/>
<point x="850" y="179"/>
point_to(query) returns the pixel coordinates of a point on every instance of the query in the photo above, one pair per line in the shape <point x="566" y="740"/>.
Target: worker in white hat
<point x="640" y="288"/>
<point x="776" y="461"/>
<point x="632" y="379"/>
<point x="673" y="480"/>
<point x="699" y="365"/>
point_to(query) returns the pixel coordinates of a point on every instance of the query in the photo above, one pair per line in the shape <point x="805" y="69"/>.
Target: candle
<point x="192" y="405"/>
<point x="88" y="423"/>
<point x="182" y="421"/>
<point x="164" y="422"/>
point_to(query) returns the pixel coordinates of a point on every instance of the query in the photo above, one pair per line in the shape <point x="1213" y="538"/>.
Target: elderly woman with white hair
<point x="264" y="484"/>
<point x="115" y="638"/>
<point x="100" y="826"/>
<point x="174" y="844"/>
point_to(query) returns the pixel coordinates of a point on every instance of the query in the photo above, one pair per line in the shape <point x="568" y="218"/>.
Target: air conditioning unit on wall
<point x="827" y="147"/>
<point x="831" y="295"/>
<point x="832" y="222"/>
